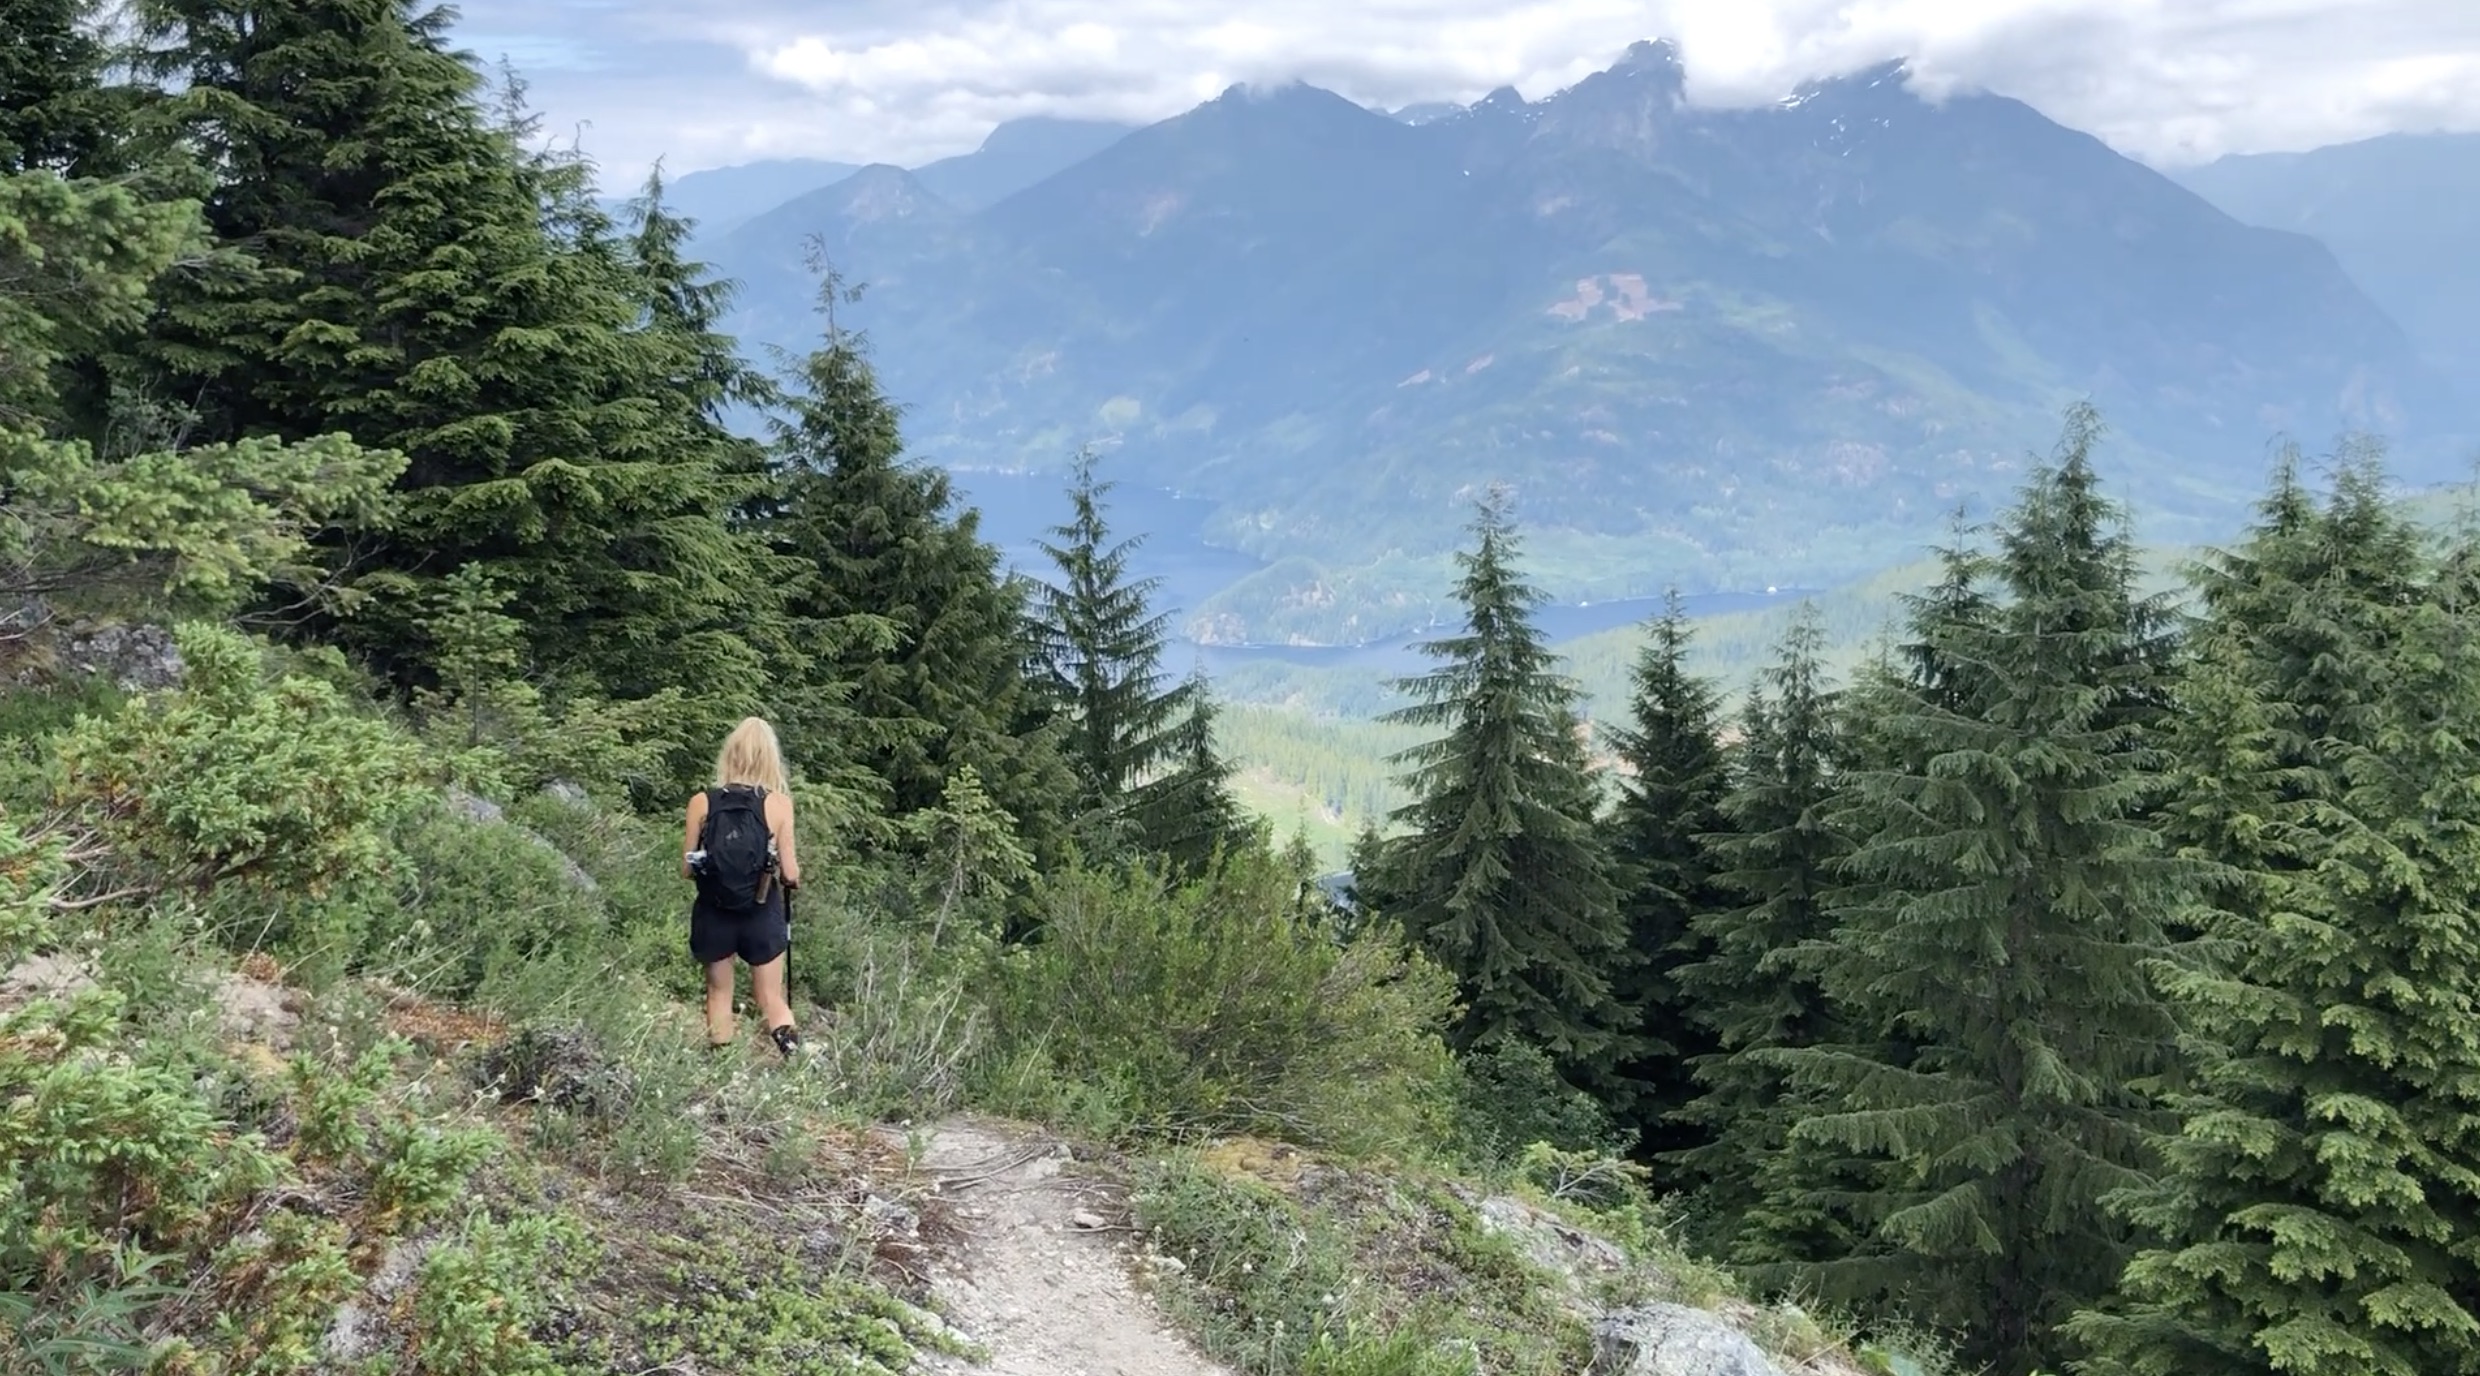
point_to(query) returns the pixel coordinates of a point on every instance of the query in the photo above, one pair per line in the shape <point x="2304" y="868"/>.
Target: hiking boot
<point x="787" y="1041"/>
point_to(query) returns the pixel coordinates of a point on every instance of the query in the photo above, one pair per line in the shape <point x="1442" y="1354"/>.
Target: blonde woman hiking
<point x="739" y="850"/>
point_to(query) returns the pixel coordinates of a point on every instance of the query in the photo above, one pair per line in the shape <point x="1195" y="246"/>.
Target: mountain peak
<point x="881" y="192"/>
<point x="1655" y="55"/>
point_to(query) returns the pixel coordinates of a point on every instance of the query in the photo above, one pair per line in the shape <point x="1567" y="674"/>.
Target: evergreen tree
<point x="2321" y="1208"/>
<point x="1774" y="853"/>
<point x="1101" y="650"/>
<point x="408" y="290"/>
<point x="1670" y="803"/>
<point x="58" y="113"/>
<point x="900" y="601"/>
<point x="1502" y="877"/>
<point x="2006" y="899"/>
<point x="1187" y="813"/>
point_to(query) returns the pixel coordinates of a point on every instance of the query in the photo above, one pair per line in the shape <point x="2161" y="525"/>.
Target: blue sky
<point x="906" y="81"/>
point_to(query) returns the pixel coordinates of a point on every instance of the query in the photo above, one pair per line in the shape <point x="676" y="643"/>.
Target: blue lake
<point x="1019" y="510"/>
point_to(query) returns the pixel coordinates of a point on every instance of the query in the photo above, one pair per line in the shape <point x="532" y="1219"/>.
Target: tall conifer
<point x="1669" y="807"/>
<point x="1774" y="854"/>
<point x="1101" y="651"/>
<point x="410" y="290"/>
<point x="2320" y="1212"/>
<point x="2006" y="899"/>
<point x="901" y="602"/>
<point x="1502" y="876"/>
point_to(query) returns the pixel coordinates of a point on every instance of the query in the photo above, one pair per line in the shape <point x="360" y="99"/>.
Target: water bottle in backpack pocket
<point x="737" y="849"/>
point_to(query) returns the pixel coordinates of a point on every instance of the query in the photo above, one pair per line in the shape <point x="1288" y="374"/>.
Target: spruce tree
<point x="1502" y="876"/>
<point x="2005" y="900"/>
<point x="1773" y="853"/>
<point x="900" y="601"/>
<point x="1669" y="806"/>
<point x="409" y="289"/>
<point x="2321" y="1212"/>
<point x="1101" y="651"/>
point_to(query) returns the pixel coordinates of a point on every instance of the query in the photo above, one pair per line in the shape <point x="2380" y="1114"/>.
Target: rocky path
<point x="1041" y="1281"/>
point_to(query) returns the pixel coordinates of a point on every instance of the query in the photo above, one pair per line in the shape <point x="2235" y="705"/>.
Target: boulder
<point x="1674" y="1340"/>
<point x="138" y="658"/>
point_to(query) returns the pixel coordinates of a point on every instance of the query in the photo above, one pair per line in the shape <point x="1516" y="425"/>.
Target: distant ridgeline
<point x="1733" y="348"/>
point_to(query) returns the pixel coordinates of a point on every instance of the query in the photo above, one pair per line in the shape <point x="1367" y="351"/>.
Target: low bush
<point x="1215" y="1006"/>
<point x="242" y="777"/>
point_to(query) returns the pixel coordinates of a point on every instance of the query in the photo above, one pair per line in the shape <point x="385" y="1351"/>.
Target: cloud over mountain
<point x="909" y="80"/>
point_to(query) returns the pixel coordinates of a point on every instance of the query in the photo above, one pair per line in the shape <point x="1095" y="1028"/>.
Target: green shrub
<point x="1214" y="1006"/>
<point x="99" y="1154"/>
<point x="482" y="1294"/>
<point x="237" y="777"/>
<point x="1510" y="1096"/>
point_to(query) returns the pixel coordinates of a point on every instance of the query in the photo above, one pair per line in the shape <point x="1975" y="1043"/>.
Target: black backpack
<point x="736" y="842"/>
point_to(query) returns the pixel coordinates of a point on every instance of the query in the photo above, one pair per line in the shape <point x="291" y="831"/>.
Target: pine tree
<point x="2006" y="900"/>
<point x="1774" y="852"/>
<point x="1502" y="877"/>
<point x="1670" y="803"/>
<point x="410" y="290"/>
<point x="900" y="601"/>
<point x="2322" y="1205"/>
<point x="1101" y="650"/>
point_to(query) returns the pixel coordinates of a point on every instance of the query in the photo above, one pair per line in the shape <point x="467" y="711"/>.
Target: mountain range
<point x="2401" y="213"/>
<point x="1716" y="348"/>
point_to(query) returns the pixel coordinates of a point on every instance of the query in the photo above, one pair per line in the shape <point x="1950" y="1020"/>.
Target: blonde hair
<point x="750" y="755"/>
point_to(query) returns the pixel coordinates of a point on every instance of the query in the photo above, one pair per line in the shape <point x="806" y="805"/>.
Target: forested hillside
<point x="2080" y="981"/>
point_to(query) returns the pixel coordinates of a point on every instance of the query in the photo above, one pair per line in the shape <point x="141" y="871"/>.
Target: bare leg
<point x="767" y="982"/>
<point x="719" y="1028"/>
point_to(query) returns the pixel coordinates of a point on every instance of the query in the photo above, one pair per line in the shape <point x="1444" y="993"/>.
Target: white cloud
<point x="908" y="80"/>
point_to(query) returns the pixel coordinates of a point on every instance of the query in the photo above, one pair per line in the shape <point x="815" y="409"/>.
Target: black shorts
<point x="757" y="936"/>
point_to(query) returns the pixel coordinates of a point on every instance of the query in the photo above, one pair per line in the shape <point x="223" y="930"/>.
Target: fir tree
<point x="1502" y="877"/>
<point x="1670" y="803"/>
<point x="900" y="601"/>
<point x="1187" y="813"/>
<point x="409" y="291"/>
<point x="2321" y="1208"/>
<point x="2005" y="901"/>
<point x="1774" y="852"/>
<point x="1101" y="650"/>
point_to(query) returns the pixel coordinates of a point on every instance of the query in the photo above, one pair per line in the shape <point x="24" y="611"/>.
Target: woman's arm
<point x="689" y="840"/>
<point x="779" y="821"/>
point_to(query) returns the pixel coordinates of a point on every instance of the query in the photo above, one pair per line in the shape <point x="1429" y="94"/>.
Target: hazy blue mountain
<point x="1016" y="155"/>
<point x="1729" y="348"/>
<point x="721" y="198"/>
<point x="2401" y="212"/>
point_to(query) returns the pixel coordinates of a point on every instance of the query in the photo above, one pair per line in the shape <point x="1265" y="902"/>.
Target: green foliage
<point x="2005" y="897"/>
<point x="481" y="1295"/>
<point x="505" y="736"/>
<point x="2323" y="1188"/>
<point x="1670" y="803"/>
<point x="236" y="776"/>
<point x="1502" y="878"/>
<point x="1100" y="646"/>
<point x="1212" y="1005"/>
<point x="896" y="598"/>
<point x="412" y="278"/>
<point x="1350" y="1274"/>
<point x="736" y="1309"/>
<point x="1775" y="855"/>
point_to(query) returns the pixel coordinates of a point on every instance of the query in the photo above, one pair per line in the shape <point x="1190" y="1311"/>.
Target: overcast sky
<point x="703" y="83"/>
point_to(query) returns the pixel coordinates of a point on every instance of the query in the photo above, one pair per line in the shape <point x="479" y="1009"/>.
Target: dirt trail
<point x="1037" y="1284"/>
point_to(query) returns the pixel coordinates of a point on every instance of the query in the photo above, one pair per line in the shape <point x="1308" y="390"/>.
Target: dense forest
<point x="2085" y="977"/>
